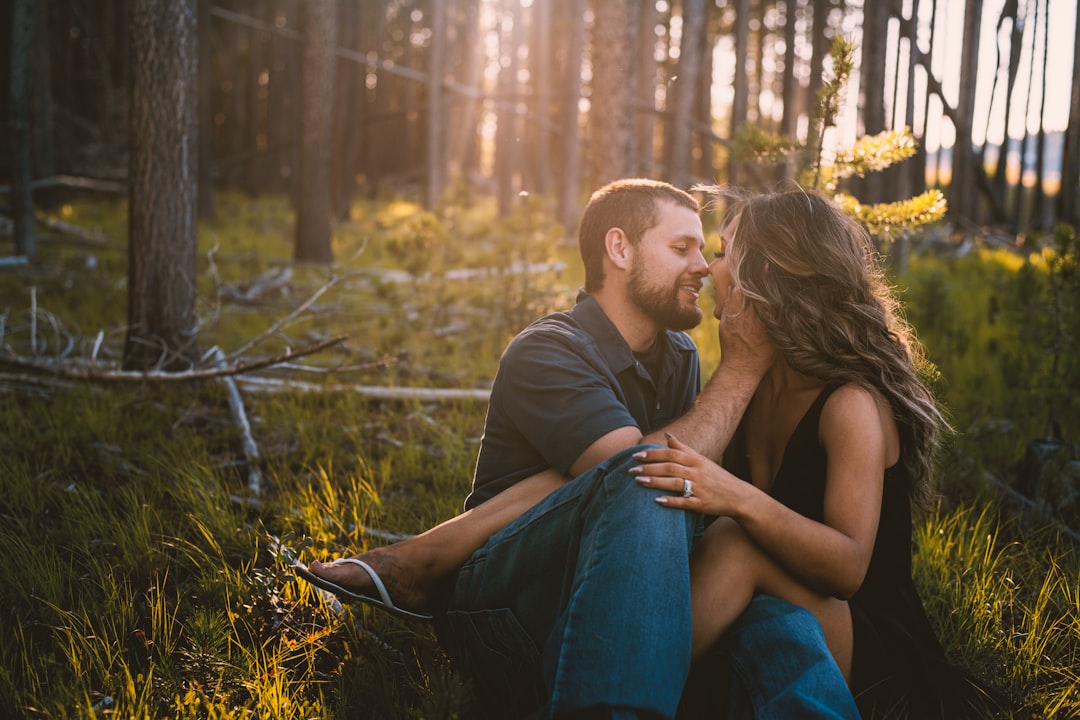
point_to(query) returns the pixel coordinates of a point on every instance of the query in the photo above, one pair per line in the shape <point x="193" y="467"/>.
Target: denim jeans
<point x="581" y="603"/>
<point x="772" y="664"/>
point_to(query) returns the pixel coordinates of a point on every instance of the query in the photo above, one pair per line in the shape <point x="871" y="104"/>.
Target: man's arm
<point x="707" y="427"/>
<point x="709" y="424"/>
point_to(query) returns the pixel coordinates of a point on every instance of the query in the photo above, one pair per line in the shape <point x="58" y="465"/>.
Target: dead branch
<point x="71" y="181"/>
<point x="373" y="392"/>
<point x="285" y="320"/>
<point x="70" y="372"/>
<point x="236" y="406"/>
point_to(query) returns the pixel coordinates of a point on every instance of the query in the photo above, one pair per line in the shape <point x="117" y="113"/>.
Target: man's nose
<point x="700" y="266"/>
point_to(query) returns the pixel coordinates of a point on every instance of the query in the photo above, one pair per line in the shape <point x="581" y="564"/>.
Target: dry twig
<point x="70" y="372"/>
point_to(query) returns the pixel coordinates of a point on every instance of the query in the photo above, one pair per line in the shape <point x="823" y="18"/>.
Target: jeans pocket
<point x="496" y="654"/>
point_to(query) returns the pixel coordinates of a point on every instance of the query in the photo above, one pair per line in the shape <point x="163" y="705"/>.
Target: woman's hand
<point x="678" y="469"/>
<point x="744" y="341"/>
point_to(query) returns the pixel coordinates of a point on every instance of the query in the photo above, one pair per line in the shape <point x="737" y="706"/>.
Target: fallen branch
<point x="76" y="373"/>
<point x="236" y="406"/>
<point x="287" y="319"/>
<point x="71" y="181"/>
<point x="373" y="392"/>
<point x="84" y="236"/>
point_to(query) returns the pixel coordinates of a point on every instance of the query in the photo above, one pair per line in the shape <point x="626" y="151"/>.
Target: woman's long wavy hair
<point x="813" y="276"/>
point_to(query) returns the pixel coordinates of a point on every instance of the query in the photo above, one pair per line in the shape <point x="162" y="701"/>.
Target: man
<point x="580" y="604"/>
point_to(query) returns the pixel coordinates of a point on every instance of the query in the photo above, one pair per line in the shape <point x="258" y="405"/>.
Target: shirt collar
<point x="610" y="342"/>
<point x="611" y="345"/>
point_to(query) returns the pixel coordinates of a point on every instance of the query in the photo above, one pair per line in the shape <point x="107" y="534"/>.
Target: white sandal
<point x="383" y="601"/>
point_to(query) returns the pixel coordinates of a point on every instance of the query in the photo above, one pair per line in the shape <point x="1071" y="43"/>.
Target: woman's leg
<point x="415" y="569"/>
<point x="727" y="568"/>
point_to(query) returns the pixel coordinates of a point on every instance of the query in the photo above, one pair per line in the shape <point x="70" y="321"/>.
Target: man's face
<point x="668" y="267"/>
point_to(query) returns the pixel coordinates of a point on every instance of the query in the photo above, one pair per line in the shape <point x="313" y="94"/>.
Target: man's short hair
<point x="629" y="204"/>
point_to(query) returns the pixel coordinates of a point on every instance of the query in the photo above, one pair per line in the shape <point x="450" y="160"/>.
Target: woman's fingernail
<point x="643" y="479"/>
<point x="662" y="499"/>
<point x="668" y="435"/>
<point x="635" y="470"/>
<point x="639" y="455"/>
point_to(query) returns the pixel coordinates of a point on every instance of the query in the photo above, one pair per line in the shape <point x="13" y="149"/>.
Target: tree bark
<point x="789" y="122"/>
<point x="436" y="120"/>
<point x="540" y="102"/>
<point x="162" y="216"/>
<point x="612" y="146"/>
<point x="962" y="185"/>
<point x="313" y="212"/>
<point x="1069" y="194"/>
<point x="872" y="85"/>
<point x="507" y="155"/>
<point x="1000" y="180"/>
<point x="1038" y="211"/>
<point x="646" y="88"/>
<point x="741" y="86"/>
<point x="704" y="168"/>
<point x="207" y="208"/>
<point x="571" y="131"/>
<point x="685" y="88"/>
<point x="28" y="20"/>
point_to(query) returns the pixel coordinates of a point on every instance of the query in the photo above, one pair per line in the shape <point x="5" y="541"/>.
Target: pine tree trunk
<point x="646" y="88"/>
<point x="872" y="86"/>
<point x="540" y="104"/>
<point x="571" y="162"/>
<point x="313" y="212"/>
<point x="741" y="85"/>
<point x="28" y="17"/>
<point x="790" y="119"/>
<point x="436" y="120"/>
<point x="1038" y="212"/>
<point x="612" y="153"/>
<point x="1069" y="194"/>
<point x="162" y="177"/>
<point x="507" y="156"/>
<point x="1000" y="180"/>
<point x="962" y="185"/>
<point x="685" y="88"/>
<point x="206" y="205"/>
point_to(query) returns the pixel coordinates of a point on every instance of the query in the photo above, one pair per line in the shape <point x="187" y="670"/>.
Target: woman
<point x="835" y="445"/>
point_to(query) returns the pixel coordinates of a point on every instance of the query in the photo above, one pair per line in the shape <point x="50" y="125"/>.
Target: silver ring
<point x="687" y="488"/>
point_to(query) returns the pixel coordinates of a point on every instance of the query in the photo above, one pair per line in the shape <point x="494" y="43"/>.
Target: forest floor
<point x="141" y="520"/>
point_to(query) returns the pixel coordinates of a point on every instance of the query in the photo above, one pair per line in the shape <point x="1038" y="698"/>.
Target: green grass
<point x="133" y="586"/>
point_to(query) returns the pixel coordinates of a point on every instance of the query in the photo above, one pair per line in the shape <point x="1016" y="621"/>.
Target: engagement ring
<point x="687" y="488"/>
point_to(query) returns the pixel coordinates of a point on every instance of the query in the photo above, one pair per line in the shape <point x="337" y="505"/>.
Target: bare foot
<point x="406" y="590"/>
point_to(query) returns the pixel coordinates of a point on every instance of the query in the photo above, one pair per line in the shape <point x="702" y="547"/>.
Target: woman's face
<point x="719" y="268"/>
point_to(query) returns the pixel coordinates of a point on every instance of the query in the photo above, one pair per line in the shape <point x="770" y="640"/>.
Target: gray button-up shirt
<point x="567" y="380"/>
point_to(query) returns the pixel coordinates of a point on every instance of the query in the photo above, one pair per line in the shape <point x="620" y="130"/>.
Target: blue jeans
<point x="581" y="603"/>
<point x="772" y="664"/>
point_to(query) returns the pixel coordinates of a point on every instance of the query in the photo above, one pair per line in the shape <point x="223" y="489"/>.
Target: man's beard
<point x="661" y="304"/>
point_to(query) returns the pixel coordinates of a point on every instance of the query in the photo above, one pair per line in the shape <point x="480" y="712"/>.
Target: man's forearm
<point x="709" y="424"/>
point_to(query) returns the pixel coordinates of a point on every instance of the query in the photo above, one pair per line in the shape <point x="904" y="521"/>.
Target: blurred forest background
<point x="342" y="98"/>
<point x="258" y="259"/>
<point x="446" y="100"/>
